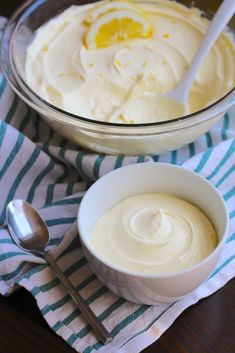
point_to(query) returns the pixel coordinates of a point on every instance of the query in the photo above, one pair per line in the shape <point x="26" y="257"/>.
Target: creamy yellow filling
<point x="118" y="83"/>
<point x="153" y="234"/>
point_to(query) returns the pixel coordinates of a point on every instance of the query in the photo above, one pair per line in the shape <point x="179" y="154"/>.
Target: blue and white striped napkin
<point x="51" y="173"/>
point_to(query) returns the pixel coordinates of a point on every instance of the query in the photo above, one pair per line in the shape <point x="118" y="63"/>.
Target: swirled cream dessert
<point x="108" y="61"/>
<point x="153" y="234"/>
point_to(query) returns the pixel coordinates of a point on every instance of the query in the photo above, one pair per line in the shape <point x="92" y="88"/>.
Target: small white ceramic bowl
<point x="151" y="178"/>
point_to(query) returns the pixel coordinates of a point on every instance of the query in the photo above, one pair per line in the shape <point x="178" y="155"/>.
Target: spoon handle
<point x="218" y="23"/>
<point x="95" y="323"/>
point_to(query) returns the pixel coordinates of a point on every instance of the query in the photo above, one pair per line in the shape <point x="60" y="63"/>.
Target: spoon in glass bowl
<point x="223" y="15"/>
<point x="173" y="104"/>
<point x="30" y="233"/>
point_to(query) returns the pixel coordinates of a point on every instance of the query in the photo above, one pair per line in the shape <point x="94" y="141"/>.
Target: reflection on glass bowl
<point x="104" y="137"/>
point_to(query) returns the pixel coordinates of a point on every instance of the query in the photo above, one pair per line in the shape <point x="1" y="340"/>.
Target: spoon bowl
<point x="26" y="227"/>
<point x="30" y="233"/>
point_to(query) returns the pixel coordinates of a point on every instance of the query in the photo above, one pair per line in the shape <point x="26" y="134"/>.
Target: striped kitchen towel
<point x="51" y="173"/>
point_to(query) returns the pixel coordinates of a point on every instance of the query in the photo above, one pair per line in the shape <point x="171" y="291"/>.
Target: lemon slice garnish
<point x="117" y="26"/>
<point x="110" y="6"/>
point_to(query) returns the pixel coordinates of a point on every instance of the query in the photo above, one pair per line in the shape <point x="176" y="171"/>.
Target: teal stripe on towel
<point x="13" y="274"/>
<point x="11" y="254"/>
<point x="191" y="149"/>
<point x="232" y="238"/>
<point x="151" y="323"/>
<point x="97" y="165"/>
<point x="71" y="339"/>
<point x="173" y="157"/>
<point x="57" y="221"/>
<point x="100" y="292"/>
<point x="69" y="189"/>
<point x="225" y="128"/>
<point x="229" y="194"/>
<point x="129" y="319"/>
<point x="68" y="272"/>
<point x="232" y="214"/>
<point x="124" y="323"/>
<point x="12" y="155"/>
<point x="59" y="303"/>
<point x="79" y="164"/>
<point x="38" y="180"/>
<point x="220" y="267"/>
<point x="119" y="162"/>
<point x="156" y="158"/>
<point x="12" y="109"/>
<point x="6" y="241"/>
<point x="38" y="120"/>
<point x="225" y="176"/>
<point x="208" y="140"/>
<point x="3" y="129"/>
<point x="140" y="159"/>
<point x="18" y="179"/>
<point x="49" y="194"/>
<point x="65" y="174"/>
<point x="25" y="120"/>
<point x="3" y="85"/>
<point x="227" y="155"/>
<point x="63" y="202"/>
<point x="105" y="314"/>
<point x="204" y="159"/>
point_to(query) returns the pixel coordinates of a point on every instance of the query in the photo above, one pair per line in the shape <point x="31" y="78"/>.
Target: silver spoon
<point x="30" y="233"/>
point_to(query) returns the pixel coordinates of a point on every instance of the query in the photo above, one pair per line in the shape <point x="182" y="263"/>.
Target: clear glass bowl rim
<point x="35" y="100"/>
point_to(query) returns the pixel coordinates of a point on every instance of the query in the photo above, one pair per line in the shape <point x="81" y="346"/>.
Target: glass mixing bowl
<point x="102" y="137"/>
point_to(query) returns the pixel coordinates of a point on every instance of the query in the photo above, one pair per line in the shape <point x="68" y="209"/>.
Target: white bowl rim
<point x="117" y="268"/>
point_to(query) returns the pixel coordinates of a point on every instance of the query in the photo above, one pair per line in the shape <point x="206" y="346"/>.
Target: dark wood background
<point x="206" y="327"/>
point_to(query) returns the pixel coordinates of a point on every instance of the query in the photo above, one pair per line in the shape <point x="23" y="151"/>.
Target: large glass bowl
<point x="103" y="137"/>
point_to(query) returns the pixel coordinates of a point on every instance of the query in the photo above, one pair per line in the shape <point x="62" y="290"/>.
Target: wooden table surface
<point x="208" y="326"/>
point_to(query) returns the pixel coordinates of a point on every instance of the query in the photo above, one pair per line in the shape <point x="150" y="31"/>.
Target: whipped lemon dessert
<point x="113" y="60"/>
<point x="153" y="234"/>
